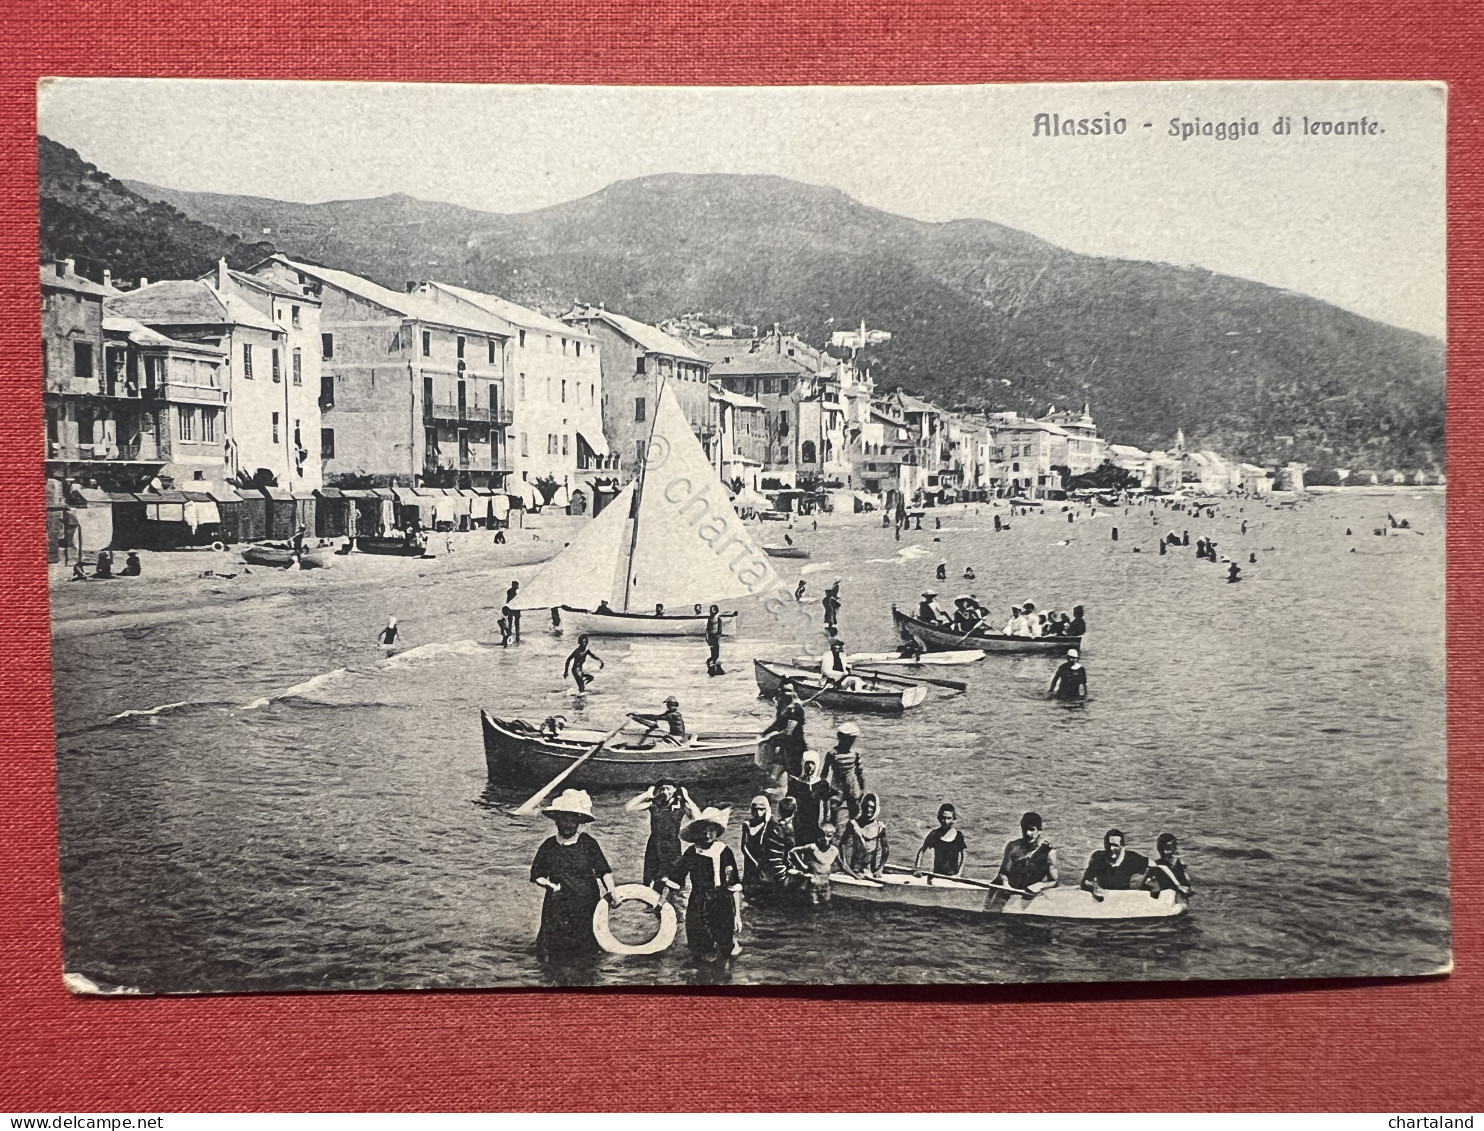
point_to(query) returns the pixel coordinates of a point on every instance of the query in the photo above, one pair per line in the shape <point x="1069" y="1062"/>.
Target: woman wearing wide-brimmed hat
<point x="575" y="873"/>
<point x="713" y="918"/>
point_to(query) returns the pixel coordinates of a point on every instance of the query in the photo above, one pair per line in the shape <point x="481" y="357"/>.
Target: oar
<point x="952" y="684"/>
<point x="972" y="630"/>
<point x="960" y="879"/>
<point x="535" y="801"/>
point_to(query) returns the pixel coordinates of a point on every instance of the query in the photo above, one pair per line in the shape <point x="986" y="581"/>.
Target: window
<point x="551" y="444"/>
<point x="525" y="446"/>
<point x="277" y="373"/>
<point x="806" y="455"/>
<point x="247" y="360"/>
<point x="639" y="447"/>
<point x="638" y="409"/>
<point x="208" y="425"/>
<point x="327" y="346"/>
<point x="294" y="315"/>
<point x="639" y="363"/>
<point x="427" y="343"/>
<point x="578" y="347"/>
<point x="275" y="427"/>
<point x="491" y="344"/>
<point x="298" y="366"/>
<point x="460" y="345"/>
<point x="327" y="390"/>
<point x="564" y="387"/>
<point x="187" y="423"/>
<point x="522" y="339"/>
<point x="564" y="443"/>
<point x="767" y="384"/>
<point x="327" y="443"/>
<point x="82" y="359"/>
<point x="522" y="384"/>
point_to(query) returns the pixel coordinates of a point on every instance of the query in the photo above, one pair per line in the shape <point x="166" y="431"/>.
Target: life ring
<point x="643" y="894"/>
<point x="219" y="547"/>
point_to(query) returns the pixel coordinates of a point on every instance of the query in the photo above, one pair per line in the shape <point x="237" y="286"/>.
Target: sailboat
<point x="671" y="538"/>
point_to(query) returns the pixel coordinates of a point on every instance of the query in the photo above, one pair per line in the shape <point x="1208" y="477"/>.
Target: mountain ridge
<point x="983" y="316"/>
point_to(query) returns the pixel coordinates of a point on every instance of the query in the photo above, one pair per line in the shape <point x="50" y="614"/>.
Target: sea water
<point x="253" y="796"/>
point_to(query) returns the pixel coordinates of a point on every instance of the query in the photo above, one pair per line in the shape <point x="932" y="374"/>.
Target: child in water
<point x="817" y="861"/>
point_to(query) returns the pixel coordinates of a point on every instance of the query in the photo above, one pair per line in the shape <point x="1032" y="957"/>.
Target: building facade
<point x="636" y="359"/>
<point x="411" y="392"/>
<point x="553" y="410"/>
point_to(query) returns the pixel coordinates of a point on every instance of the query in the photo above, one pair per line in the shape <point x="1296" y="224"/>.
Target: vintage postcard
<point x="521" y="536"/>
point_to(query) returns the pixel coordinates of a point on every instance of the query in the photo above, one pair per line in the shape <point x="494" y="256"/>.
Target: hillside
<point x="88" y="216"/>
<point x="983" y="316"/>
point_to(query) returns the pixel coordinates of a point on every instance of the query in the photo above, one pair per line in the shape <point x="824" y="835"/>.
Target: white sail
<point x="586" y="571"/>
<point x="691" y="547"/>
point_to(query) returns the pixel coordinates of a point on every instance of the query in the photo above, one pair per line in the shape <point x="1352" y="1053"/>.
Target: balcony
<point x="137" y="452"/>
<point x="466" y="414"/>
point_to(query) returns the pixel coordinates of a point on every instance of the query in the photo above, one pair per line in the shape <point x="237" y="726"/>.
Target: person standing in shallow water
<point x="713" y="641"/>
<point x="510" y="595"/>
<point x="387" y="637"/>
<point x="575" y="661"/>
<point x="713" y="917"/>
<point x="1069" y="684"/>
<point x="669" y="806"/>
<point x="572" y="868"/>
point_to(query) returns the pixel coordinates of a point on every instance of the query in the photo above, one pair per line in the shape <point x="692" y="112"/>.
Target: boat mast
<point x="628" y="565"/>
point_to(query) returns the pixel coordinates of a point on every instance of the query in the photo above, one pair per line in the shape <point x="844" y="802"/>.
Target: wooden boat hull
<point x="893" y="660"/>
<point x="519" y="757"/>
<point x="890" y="697"/>
<point x="640" y="624"/>
<point x="786" y="551"/>
<point x="902" y="890"/>
<point x="946" y="640"/>
<point x="279" y="557"/>
<point x="391" y="547"/>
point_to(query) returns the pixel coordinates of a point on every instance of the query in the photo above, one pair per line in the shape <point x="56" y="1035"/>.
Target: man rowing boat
<point x="1029" y="863"/>
<point x="670" y="716"/>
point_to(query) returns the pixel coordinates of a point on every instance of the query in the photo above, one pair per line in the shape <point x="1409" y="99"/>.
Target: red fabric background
<point x="1370" y="1046"/>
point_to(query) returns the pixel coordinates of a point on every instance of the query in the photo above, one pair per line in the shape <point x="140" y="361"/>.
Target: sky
<point x="1357" y="220"/>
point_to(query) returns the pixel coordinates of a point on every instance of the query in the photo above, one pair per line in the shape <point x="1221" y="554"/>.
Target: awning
<point x="330" y="493"/>
<point x="404" y="495"/>
<point x="383" y="493"/>
<point x="278" y="494"/>
<point x="303" y="496"/>
<point x="483" y="492"/>
<point x="224" y="495"/>
<point x="153" y="497"/>
<point x="600" y="448"/>
<point x="93" y="496"/>
<point x="357" y="493"/>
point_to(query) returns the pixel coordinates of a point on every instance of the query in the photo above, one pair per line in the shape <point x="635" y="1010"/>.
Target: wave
<point x="130" y="714"/>
<point x="815" y="567"/>
<point x="309" y="685"/>
<point x="429" y="651"/>
<point x="904" y="555"/>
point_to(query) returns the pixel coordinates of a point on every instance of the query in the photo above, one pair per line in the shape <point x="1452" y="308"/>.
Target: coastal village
<point x="248" y="405"/>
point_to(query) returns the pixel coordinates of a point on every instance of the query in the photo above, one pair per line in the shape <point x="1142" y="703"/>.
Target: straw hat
<point x="672" y="702"/>
<point x="717" y="818"/>
<point x="1072" y="653"/>
<point x="851" y="729"/>
<point x="575" y="802"/>
<point x="930" y="593"/>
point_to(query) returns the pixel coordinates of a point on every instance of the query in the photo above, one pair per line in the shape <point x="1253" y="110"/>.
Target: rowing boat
<point x="897" y="660"/>
<point x="937" y="893"/>
<point x="517" y="752"/>
<point x="938" y="638"/>
<point x="786" y="551"/>
<point x="393" y="546"/>
<point x="610" y="623"/>
<point x="262" y="555"/>
<point x="877" y="692"/>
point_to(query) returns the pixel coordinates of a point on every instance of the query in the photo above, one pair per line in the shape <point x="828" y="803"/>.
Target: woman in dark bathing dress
<point x="575" y="873"/>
